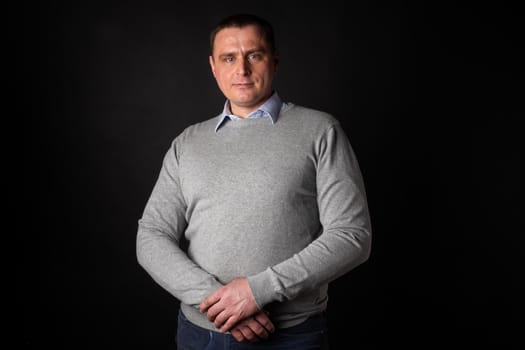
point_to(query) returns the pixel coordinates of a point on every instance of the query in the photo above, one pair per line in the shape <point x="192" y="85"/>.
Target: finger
<point x="209" y="301"/>
<point x="221" y="318"/>
<point x="226" y="326"/>
<point x="248" y="333"/>
<point x="265" y="322"/>
<point x="257" y="328"/>
<point x="237" y="334"/>
<point x="215" y="310"/>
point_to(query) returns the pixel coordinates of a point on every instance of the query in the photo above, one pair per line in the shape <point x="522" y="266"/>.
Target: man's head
<point x="244" y="61"/>
<point x="243" y="20"/>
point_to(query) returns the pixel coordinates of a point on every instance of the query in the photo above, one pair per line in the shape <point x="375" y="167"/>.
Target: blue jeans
<point x="311" y="334"/>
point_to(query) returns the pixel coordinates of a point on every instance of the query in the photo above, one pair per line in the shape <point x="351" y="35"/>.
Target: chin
<point x="245" y="101"/>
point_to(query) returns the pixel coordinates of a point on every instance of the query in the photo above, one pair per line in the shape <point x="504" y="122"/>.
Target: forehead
<point x="239" y="38"/>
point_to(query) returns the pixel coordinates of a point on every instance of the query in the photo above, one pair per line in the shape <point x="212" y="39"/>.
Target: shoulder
<point x="309" y="118"/>
<point x="195" y="133"/>
<point x="201" y="128"/>
<point x="198" y="130"/>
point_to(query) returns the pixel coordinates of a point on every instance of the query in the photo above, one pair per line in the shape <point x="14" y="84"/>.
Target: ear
<point x="212" y="66"/>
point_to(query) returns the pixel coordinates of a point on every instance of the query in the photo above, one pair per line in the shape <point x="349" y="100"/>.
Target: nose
<point x="243" y="66"/>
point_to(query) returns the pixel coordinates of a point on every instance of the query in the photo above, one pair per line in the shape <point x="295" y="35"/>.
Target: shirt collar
<point x="270" y="108"/>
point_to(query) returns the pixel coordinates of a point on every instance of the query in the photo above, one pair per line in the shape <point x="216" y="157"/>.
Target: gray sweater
<point x="282" y="204"/>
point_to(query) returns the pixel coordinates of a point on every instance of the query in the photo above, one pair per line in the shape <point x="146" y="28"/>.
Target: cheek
<point x="224" y="83"/>
<point x="267" y="77"/>
<point x="223" y="75"/>
<point x="222" y="80"/>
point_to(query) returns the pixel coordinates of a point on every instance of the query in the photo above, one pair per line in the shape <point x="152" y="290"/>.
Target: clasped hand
<point x="233" y="308"/>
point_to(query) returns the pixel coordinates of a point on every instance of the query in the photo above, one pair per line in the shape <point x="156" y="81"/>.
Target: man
<point x="270" y="199"/>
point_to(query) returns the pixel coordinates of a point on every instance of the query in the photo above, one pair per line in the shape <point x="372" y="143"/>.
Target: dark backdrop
<point x="429" y="95"/>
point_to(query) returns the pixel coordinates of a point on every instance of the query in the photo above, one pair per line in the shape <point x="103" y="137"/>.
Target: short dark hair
<point x="245" y="19"/>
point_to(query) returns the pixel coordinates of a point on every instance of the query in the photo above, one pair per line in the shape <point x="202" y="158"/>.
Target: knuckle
<point x="237" y="335"/>
<point x="229" y="323"/>
<point x="248" y="334"/>
<point x="257" y="328"/>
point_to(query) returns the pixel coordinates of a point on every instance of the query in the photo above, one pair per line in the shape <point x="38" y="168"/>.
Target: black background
<point x="430" y="96"/>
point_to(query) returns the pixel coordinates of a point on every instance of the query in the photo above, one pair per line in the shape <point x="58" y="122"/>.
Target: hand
<point x="253" y="328"/>
<point x="230" y="304"/>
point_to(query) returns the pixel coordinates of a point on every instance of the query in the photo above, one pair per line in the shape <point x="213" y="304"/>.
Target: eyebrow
<point x="233" y="53"/>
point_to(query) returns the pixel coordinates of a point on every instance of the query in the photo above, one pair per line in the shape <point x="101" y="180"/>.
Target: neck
<point x="243" y="112"/>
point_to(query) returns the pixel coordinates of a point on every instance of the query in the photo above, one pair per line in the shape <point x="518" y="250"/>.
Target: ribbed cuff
<point x="262" y="288"/>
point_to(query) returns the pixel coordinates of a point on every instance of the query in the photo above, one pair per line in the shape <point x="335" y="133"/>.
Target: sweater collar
<point x="270" y="108"/>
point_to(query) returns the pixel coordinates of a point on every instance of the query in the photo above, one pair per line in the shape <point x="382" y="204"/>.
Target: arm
<point x="160" y="230"/>
<point x="343" y="244"/>
<point x="346" y="237"/>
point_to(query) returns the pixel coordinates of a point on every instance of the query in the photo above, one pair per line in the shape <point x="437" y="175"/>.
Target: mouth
<point x="243" y="85"/>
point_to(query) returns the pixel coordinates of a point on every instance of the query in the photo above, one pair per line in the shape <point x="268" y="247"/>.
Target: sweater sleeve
<point x="158" y="239"/>
<point x="345" y="240"/>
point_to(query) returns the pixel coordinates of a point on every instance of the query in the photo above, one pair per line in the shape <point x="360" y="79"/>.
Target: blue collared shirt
<point x="271" y="109"/>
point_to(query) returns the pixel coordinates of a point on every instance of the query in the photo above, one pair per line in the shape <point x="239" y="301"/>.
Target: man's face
<point x="244" y="68"/>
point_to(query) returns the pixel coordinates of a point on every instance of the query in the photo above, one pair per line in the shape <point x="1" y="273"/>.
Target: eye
<point x="228" y="59"/>
<point x="254" y="57"/>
